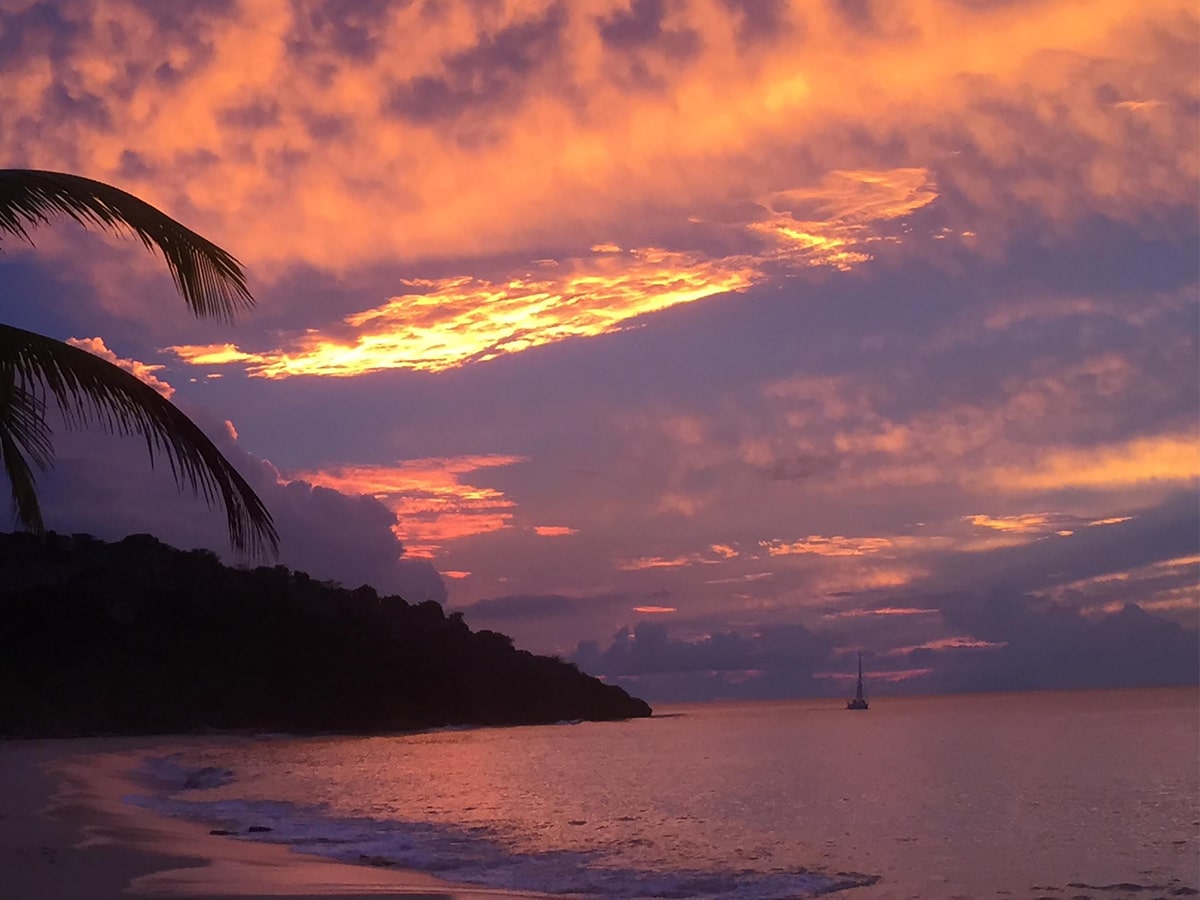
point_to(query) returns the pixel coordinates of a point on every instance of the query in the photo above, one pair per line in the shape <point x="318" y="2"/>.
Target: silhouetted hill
<point x="138" y="637"/>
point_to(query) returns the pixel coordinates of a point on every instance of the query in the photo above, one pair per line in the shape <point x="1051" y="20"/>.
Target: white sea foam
<point x="739" y="802"/>
<point x="477" y="856"/>
<point x="174" y="772"/>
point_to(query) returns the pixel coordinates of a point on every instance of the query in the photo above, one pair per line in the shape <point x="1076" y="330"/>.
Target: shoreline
<point x="66" y="832"/>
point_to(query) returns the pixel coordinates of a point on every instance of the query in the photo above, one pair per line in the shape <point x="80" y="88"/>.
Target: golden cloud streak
<point x="449" y="322"/>
<point x="554" y="530"/>
<point x="655" y="562"/>
<point x="716" y="553"/>
<point x="432" y="502"/>
<point x="845" y="209"/>
<point x="1027" y="523"/>
<point x="817" y="545"/>
<point x="1166" y="458"/>
<point x="959" y="642"/>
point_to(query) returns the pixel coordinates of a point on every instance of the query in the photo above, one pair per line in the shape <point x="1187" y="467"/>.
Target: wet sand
<point x="65" y="833"/>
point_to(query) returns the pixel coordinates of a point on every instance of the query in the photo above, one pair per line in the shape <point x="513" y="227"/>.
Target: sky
<point x="705" y="343"/>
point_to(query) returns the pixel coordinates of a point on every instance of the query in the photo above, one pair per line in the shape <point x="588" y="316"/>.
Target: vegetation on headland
<point x="136" y="637"/>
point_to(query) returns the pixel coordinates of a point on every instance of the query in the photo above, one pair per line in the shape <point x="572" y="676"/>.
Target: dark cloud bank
<point x="1010" y="634"/>
<point x="1023" y="645"/>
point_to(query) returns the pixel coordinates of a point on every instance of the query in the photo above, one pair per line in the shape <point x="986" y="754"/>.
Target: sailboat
<point x="859" y="701"/>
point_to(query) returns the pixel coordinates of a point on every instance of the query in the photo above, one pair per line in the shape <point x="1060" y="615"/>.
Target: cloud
<point x="1165" y="531"/>
<point x="524" y="606"/>
<point x="449" y="322"/>
<point x="1162" y="458"/>
<point x="502" y="128"/>
<point x="144" y="372"/>
<point x="777" y="661"/>
<point x="104" y="485"/>
<point x="797" y="310"/>
<point x="554" y="530"/>
<point x="714" y="554"/>
<point x="429" y="499"/>
<point x="542" y="622"/>
<point x="1051" y="646"/>
<point x="828" y="546"/>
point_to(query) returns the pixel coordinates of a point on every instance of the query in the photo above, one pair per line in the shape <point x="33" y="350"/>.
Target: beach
<point x="65" y="834"/>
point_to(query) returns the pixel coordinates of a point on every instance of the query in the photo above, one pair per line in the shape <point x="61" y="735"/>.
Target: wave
<point x="476" y="855"/>
<point x="172" y="773"/>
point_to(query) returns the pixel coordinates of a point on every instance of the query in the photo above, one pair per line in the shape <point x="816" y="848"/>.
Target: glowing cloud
<point x="716" y="553"/>
<point x="1028" y="523"/>
<point x="449" y="322"/>
<point x="144" y="372"/>
<point x="554" y="530"/>
<point x="817" y="545"/>
<point x="432" y="501"/>
<point x="655" y="562"/>
<point x="424" y="140"/>
<point x="1166" y="458"/>
<point x="834" y="224"/>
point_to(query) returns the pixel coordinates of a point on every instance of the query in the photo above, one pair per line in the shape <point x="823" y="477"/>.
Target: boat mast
<point x="859" y="694"/>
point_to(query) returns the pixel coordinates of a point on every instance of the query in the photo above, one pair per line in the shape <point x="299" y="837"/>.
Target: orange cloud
<point x="817" y="545"/>
<point x="554" y="530"/>
<point x="433" y="502"/>
<point x="142" y="371"/>
<point x="449" y="322"/>
<point x="958" y="642"/>
<point x="834" y="223"/>
<point x="1164" y="458"/>
<point x="716" y="553"/>
<point x="1169" y="584"/>
<point x="654" y="610"/>
<point x="1027" y="523"/>
<point x="655" y="562"/>
<point x="278" y="141"/>
<point x="1026" y="527"/>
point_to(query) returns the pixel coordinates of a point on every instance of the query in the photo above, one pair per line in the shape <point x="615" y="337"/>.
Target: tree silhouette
<point x="91" y="391"/>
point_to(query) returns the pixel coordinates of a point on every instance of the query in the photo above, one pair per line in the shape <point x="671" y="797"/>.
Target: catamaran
<point x="859" y="701"/>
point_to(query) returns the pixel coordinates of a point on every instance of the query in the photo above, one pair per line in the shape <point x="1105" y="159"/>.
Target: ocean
<point x="1041" y="794"/>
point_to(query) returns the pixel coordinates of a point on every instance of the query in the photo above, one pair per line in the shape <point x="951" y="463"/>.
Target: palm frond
<point x="211" y="280"/>
<point x="90" y="390"/>
<point x="23" y="433"/>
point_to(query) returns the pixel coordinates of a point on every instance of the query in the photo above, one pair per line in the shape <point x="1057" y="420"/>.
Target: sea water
<point x="1061" y="795"/>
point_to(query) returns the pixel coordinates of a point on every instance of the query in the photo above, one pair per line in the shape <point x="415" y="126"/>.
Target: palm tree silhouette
<point x="91" y="391"/>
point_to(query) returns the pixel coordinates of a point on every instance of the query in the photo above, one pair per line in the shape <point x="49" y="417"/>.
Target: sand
<point x="66" y="834"/>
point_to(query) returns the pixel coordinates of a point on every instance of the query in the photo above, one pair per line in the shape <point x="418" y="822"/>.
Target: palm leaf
<point x="211" y="281"/>
<point x="90" y="390"/>
<point x="23" y="433"/>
